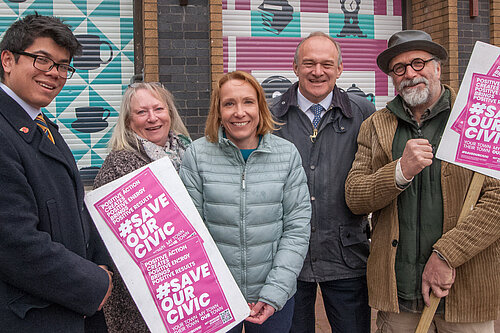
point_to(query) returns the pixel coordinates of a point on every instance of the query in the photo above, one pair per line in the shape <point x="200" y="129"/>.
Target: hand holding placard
<point x="260" y="313"/>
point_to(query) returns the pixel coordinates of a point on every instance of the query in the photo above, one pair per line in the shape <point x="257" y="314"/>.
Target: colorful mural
<point x="87" y="108"/>
<point x="260" y="36"/>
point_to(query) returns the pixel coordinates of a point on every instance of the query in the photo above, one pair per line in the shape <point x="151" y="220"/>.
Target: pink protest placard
<point x="160" y="239"/>
<point x="164" y="252"/>
<point x="495" y="72"/>
<point x="186" y="290"/>
<point x="144" y="217"/>
<point x="479" y="143"/>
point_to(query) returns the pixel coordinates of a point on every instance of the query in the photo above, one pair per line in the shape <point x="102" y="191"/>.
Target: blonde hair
<point x="266" y="121"/>
<point x="124" y="137"/>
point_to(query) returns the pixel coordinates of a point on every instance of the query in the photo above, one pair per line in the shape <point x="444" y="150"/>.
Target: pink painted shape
<point x="265" y="53"/>
<point x="276" y="53"/>
<point x="318" y="6"/>
<point x="242" y="4"/>
<point x="459" y="123"/>
<point x="380" y="7"/>
<point x="397" y="8"/>
<point x="361" y="55"/>
<point x="381" y="83"/>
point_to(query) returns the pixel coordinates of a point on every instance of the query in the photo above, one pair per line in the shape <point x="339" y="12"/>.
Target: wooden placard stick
<point x="469" y="204"/>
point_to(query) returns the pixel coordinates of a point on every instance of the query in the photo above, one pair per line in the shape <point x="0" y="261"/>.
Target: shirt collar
<point x="305" y="104"/>
<point x="31" y="111"/>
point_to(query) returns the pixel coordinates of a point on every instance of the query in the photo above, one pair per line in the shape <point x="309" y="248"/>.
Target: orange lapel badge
<point x="24" y="130"/>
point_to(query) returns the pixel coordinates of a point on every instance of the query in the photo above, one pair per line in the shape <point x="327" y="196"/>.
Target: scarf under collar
<point x="174" y="148"/>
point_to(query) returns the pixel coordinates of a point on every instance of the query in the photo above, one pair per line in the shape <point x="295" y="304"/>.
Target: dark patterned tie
<point x="316" y="109"/>
<point x="43" y="125"/>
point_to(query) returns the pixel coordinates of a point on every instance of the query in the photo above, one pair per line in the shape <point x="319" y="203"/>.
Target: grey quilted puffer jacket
<point x="257" y="212"/>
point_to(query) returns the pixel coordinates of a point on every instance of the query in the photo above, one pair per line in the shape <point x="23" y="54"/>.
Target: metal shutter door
<point x="260" y="37"/>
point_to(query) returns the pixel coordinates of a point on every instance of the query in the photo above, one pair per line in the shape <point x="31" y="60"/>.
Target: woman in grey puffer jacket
<point x="250" y="189"/>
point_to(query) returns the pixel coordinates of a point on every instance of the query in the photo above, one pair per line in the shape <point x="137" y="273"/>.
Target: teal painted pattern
<point x="99" y="84"/>
<point x="273" y="25"/>
<point x="366" y="24"/>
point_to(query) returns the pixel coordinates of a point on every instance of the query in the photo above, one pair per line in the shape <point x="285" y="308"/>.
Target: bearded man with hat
<point x="417" y="246"/>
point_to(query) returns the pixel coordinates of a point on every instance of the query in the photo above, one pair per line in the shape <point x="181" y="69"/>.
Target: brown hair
<point x="266" y="121"/>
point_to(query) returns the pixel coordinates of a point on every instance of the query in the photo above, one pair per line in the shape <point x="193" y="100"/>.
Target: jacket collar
<point x="264" y="145"/>
<point x="17" y="117"/>
<point x="22" y="123"/>
<point x="340" y="100"/>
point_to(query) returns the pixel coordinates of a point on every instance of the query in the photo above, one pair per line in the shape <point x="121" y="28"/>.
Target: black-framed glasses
<point x="45" y="64"/>
<point x="417" y="64"/>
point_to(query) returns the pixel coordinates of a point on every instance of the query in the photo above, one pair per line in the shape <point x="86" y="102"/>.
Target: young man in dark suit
<point x="48" y="279"/>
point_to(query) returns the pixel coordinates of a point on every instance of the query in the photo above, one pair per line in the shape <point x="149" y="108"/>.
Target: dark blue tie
<point x="317" y="109"/>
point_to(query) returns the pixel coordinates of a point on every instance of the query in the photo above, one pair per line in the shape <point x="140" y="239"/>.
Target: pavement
<point x="322" y="325"/>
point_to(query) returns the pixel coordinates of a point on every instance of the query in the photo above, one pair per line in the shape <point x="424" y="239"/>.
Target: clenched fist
<point x="416" y="156"/>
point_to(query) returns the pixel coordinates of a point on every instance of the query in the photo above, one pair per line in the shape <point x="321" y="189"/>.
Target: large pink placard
<point x="479" y="143"/>
<point x="170" y="254"/>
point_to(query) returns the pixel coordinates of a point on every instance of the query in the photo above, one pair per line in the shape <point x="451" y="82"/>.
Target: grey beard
<point x="415" y="97"/>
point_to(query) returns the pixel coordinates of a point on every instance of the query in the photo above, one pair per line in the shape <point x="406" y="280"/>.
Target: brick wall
<point x="439" y="19"/>
<point x="150" y="40"/>
<point x="184" y="59"/>
<point x="216" y="39"/>
<point x="495" y="22"/>
<point x="471" y="30"/>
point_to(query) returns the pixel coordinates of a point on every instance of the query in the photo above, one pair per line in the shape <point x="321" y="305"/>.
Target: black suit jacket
<point x="48" y="282"/>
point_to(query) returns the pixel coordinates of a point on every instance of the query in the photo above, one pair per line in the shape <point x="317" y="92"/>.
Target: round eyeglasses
<point x="45" y="64"/>
<point x="417" y="64"/>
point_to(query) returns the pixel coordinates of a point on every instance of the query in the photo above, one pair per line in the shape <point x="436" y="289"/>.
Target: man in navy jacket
<point x="48" y="279"/>
<point x="323" y="122"/>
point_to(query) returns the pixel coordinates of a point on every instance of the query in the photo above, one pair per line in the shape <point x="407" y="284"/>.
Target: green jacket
<point x="420" y="205"/>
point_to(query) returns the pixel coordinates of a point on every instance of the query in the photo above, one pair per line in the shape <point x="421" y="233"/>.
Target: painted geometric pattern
<point x="260" y="37"/>
<point x="87" y="108"/>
